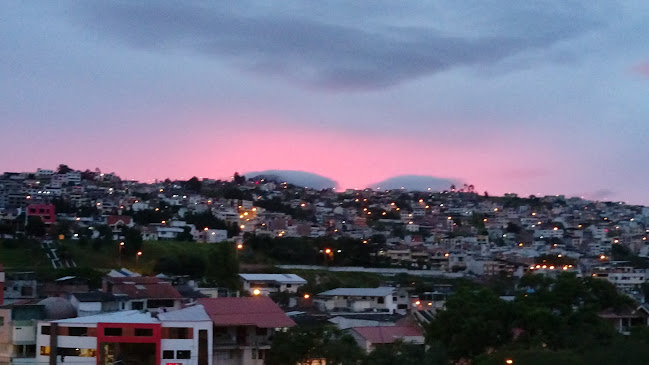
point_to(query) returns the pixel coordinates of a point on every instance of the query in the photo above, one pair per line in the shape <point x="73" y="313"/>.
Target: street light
<point x="509" y="361"/>
<point x="307" y="296"/>
<point x="240" y="246"/>
<point x="119" y="253"/>
<point x="256" y="292"/>
<point x="137" y="257"/>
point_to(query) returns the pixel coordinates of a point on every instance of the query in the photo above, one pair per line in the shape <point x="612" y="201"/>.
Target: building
<point x="381" y="299"/>
<point x="2" y="284"/>
<point x="20" y="285"/>
<point x="271" y="283"/>
<point x="18" y="324"/>
<point x="243" y="328"/>
<point x="44" y="211"/>
<point x="369" y="338"/>
<point x="212" y="235"/>
<point x="181" y="337"/>
<point x="144" y="292"/>
<point x="97" y="302"/>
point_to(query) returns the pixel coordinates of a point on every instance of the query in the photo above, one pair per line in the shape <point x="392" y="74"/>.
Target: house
<point x="18" y="324"/>
<point x="271" y="283"/>
<point x="64" y="285"/>
<point x="144" y="292"/>
<point x="243" y="328"/>
<point x="96" y="302"/>
<point x="129" y="337"/>
<point x="212" y="235"/>
<point x="20" y="285"/>
<point x="626" y="318"/>
<point x="369" y="338"/>
<point x="116" y="221"/>
<point x="44" y="211"/>
<point x="368" y="300"/>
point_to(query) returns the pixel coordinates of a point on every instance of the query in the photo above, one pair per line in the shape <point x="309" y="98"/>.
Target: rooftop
<point x="387" y="334"/>
<point x="259" y="311"/>
<point x="381" y="291"/>
<point x="280" y="278"/>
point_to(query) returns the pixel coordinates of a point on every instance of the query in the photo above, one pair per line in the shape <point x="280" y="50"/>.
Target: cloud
<point x="601" y="194"/>
<point x="331" y="55"/>
<point x="299" y="178"/>
<point x="415" y="183"/>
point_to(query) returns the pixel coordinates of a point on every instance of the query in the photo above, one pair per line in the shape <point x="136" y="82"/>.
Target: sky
<point x="532" y="97"/>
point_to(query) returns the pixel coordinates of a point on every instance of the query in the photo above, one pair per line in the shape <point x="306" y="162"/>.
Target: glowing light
<point x="307" y="296"/>
<point x="256" y="292"/>
<point x="328" y="251"/>
<point x="242" y="226"/>
<point x="240" y="246"/>
<point x="139" y="253"/>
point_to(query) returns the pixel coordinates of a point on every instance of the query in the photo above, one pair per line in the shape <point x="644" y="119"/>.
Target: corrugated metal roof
<point x="387" y="334"/>
<point x="131" y="316"/>
<point x="259" y="311"/>
<point x="280" y="278"/>
<point x="381" y="291"/>
<point x="196" y="313"/>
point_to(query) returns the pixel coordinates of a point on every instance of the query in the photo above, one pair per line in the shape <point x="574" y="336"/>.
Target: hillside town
<point x="281" y="239"/>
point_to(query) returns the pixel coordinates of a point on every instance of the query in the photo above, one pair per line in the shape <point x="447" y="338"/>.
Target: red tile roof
<point x="114" y="219"/>
<point x="143" y="287"/>
<point x="387" y="334"/>
<point x="260" y="311"/>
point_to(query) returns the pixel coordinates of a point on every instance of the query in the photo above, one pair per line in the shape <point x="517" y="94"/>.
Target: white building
<point x="182" y="337"/>
<point x="271" y="283"/>
<point x="370" y="300"/>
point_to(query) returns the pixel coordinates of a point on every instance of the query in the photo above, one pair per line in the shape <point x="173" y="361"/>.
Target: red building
<point x="44" y="211"/>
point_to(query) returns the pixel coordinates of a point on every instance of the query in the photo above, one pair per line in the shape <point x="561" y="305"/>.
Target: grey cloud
<point x="601" y="194"/>
<point x="321" y="54"/>
<point x="295" y="177"/>
<point x="415" y="183"/>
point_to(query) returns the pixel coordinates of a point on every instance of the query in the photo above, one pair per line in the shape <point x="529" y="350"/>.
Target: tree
<point x="63" y="169"/>
<point x="302" y="345"/>
<point x="132" y="239"/>
<point x="35" y="227"/>
<point x="472" y="322"/>
<point x="185" y="235"/>
<point x="239" y="179"/>
<point x="405" y="354"/>
<point x="194" y="185"/>
<point x="223" y="266"/>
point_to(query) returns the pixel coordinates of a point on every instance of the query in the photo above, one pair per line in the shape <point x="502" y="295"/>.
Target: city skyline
<point x="542" y="98"/>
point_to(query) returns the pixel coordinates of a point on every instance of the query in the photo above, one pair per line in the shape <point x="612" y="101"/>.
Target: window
<point x="183" y="354"/>
<point x="380" y="300"/>
<point x="109" y="331"/>
<point x="179" y="333"/>
<point x="261" y="331"/>
<point x="254" y="353"/>
<point x="223" y="355"/>
<point x="168" y="354"/>
<point x="144" y="332"/>
<point x="45" y="350"/>
<point x="288" y="285"/>
<point x="2" y="321"/>
<point x="45" y="330"/>
<point x="137" y="305"/>
<point x="77" y="331"/>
